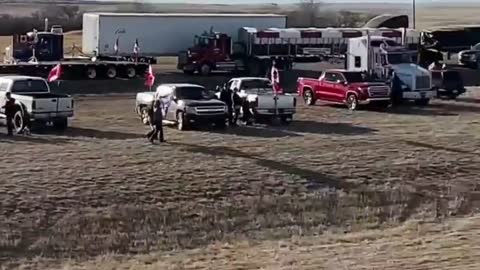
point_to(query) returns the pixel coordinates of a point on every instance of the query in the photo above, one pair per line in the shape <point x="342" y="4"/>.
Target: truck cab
<point x="211" y="51"/>
<point x="390" y="62"/>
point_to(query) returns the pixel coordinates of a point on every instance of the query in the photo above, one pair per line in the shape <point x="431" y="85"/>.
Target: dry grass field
<point x="331" y="190"/>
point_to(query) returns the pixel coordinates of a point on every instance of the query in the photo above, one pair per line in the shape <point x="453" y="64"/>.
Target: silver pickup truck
<point x="184" y="105"/>
<point x="258" y="93"/>
<point x="35" y="102"/>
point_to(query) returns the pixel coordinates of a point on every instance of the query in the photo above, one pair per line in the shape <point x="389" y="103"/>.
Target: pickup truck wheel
<point x="181" y="121"/>
<point x="19" y="121"/>
<point x="308" y="98"/>
<point x="352" y="102"/>
<point x="60" y="124"/>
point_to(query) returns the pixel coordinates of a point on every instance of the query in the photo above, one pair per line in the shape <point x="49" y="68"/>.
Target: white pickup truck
<point x="258" y="92"/>
<point x="35" y="102"/>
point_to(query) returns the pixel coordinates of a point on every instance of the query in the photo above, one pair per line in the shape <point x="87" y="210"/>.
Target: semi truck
<point x="37" y="53"/>
<point x="161" y="34"/>
<point x="255" y="48"/>
<point x="386" y="60"/>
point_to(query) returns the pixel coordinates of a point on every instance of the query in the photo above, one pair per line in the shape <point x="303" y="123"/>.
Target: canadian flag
<point x="136" y="47"/>
<point x="55" y="73"/>
<point x="275" y="78"/>
<point x="115" y="47"/>
<point x="150" y="77"/>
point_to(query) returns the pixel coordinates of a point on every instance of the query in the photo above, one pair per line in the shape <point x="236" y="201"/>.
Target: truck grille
<point x="423" y="82"/>
<point x="378" y="91"/>
<point x="209" y="110"/>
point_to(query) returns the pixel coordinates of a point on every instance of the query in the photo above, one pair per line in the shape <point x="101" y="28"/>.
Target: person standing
<point x="9" y="108"/>
<point x="237" y="105"/>
<point x="156" y="123"/>
<point x="226" y="97"/>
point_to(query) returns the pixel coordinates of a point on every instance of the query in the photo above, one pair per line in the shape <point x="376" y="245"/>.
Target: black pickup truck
<point x="449" y="83"/>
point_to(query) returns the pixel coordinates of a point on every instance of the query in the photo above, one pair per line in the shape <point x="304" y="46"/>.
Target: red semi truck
<point x="344" y="87"/>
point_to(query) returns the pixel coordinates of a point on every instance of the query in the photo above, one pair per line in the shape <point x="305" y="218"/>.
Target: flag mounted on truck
<point x="55" y="73"/>
<point x="150" y="77"/>
<point x="136" y="47"/>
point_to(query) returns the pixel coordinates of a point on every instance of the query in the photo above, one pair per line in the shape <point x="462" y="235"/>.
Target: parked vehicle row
<point x="188" y="104"/>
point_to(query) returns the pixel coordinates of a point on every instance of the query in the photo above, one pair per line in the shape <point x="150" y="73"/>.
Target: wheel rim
<point x="352" y="102"/>
<point x="18" y="122"/>
<point x="111" y="72"/>
<point x="91" y="73"/>
<point x="308" y="97"/>
<point x="180" y="121"/>
<point x="131" y="72"/>
<point x="144" y="116"/>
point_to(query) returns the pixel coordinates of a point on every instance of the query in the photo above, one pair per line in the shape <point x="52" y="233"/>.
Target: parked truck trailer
<point x="161" y="34"/>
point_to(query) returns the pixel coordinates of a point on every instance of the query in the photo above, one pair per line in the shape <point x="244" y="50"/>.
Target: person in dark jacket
<point x="156" y="122"/>
<point x="226" y="96"/>
<point x="237" y="104"/>
<point x="9" y="108"/>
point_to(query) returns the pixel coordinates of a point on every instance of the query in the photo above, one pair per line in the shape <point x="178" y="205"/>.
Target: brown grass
<point x="101" y="189"/>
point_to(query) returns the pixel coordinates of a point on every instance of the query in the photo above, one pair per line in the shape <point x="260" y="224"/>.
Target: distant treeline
<point x="307" y="14"/>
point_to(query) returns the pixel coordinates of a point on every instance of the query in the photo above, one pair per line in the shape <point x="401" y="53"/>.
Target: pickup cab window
<point x="193" y="93"/>
<point x="332" y="77"/>
<point x="30" y="86"/>
<point x="355" y="77"/>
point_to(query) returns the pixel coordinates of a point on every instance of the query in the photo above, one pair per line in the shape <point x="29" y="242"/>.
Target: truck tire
<point x="19" y="121"/>
<point x="352" y="102"/>
<point x="91" y="73"/>
<point x="422" y="102"/>
<point x="181" y="125"/>
<point x="308" y="98"/>
<point x="111" y="72"/>
<point x="60" y="124"/>
<point x="205" y="70"/>
<point x="131" y="72"/>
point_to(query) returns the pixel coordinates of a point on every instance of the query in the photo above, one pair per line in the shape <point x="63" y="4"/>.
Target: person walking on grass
<point x="9" y="108"/>
<point x="156" y="122"/>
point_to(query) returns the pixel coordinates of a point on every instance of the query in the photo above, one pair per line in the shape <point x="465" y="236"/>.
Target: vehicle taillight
<point x="34" y="105"/>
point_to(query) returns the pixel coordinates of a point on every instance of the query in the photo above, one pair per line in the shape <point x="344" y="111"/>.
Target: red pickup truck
<point x="344" y="87"/>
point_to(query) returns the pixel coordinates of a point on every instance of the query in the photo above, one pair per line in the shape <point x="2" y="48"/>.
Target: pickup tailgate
<point x="285" y="104"/>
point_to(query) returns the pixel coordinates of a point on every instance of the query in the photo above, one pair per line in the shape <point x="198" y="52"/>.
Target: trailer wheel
<point x="131" y="72"/>
<point x="91" y="73"/>
<point x="205" y="69"/>
<point x="111" y="72"/>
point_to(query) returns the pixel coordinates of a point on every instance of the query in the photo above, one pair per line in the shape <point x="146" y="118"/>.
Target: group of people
<point x="234" y="103"/>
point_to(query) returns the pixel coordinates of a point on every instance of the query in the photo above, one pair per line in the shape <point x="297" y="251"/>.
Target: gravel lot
<point x="101" y="188"/>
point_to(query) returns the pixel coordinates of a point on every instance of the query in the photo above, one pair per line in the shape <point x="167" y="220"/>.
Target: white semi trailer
<point x="163" y="34"/>
<point x="383" y="57"/>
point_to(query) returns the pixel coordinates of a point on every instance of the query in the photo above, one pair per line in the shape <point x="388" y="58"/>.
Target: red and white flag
<point x="136" y="47"/>
<point x="150" y="77"/>
<point x="55" y="73"/>
<point x="275" y="78"/>
<point x="115" y="47"/>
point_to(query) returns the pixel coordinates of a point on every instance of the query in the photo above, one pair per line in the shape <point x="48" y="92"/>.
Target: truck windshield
<point x="194" y="93"/>
<point x="256" y="86"/>
<point x="401" y="58"/>
<point x="354" y="77"/>
<point x="30" y="86"/>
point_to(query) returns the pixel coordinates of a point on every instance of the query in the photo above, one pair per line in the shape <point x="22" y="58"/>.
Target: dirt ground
<point x="291" y="197"/>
